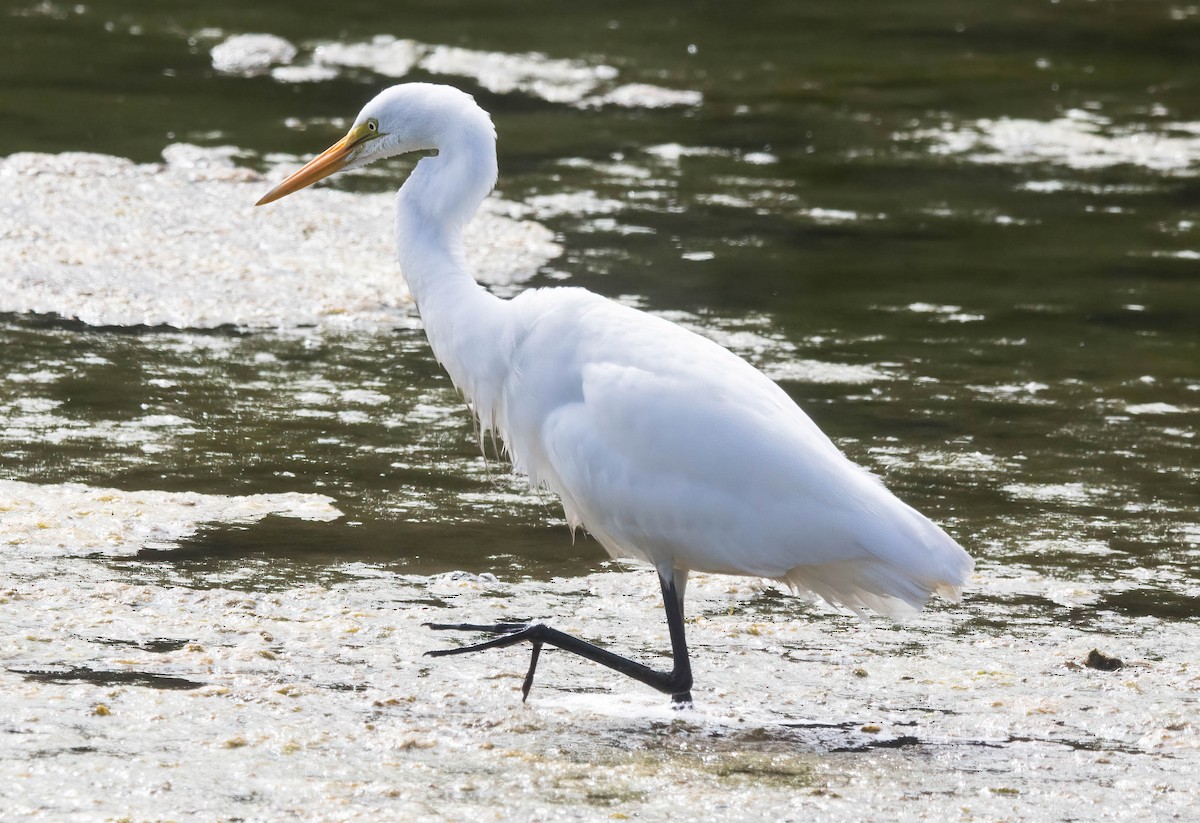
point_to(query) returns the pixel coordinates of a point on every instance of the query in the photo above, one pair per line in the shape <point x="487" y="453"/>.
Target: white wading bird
<point x="662" y="444"/>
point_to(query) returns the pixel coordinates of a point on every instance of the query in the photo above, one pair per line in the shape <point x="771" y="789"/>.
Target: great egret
<point x="662" y="444"/>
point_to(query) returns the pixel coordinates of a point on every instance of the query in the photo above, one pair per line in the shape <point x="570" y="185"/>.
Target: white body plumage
<point x="662" y="444"/>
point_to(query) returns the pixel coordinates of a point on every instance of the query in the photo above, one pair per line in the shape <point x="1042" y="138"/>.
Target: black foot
<point x="490" y="628"/>
<point x="675" y="683"/>
<point x="509" y="634"/>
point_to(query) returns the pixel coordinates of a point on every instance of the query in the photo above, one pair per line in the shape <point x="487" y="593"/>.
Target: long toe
<point x="489" y="628"/>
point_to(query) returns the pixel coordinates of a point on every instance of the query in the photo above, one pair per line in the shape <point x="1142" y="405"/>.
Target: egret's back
<point x="669" y="448"/>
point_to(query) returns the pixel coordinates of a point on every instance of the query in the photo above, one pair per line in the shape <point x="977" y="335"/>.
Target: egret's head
<point x="402" y="119"/>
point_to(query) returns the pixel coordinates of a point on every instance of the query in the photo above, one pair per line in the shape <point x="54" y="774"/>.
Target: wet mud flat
<point x="136" y="685"/>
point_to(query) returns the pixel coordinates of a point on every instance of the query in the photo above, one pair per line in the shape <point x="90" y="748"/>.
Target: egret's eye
<point x="373" y="125"/>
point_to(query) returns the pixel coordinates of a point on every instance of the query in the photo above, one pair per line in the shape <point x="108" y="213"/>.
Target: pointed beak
<point x="331" y="160"/>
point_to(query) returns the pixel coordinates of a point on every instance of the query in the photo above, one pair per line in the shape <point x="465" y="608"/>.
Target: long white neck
<point x="468" y="328"/>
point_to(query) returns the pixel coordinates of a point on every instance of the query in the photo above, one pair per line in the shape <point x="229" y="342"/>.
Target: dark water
<point x="1029" y="326"/>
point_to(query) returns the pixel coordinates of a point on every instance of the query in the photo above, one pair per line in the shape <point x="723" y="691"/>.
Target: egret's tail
<point x="884" y="586"/>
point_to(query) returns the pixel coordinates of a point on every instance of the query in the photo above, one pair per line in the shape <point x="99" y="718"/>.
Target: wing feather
<point x="670" y="449"/>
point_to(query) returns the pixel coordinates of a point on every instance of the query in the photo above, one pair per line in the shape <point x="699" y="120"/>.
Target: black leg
<point x="677" y="682"/>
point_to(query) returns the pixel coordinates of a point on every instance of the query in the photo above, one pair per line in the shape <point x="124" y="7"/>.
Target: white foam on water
<point x="556" y="80"/>
<point x="1076" y="493"/>
<point x="113" y="243"/>
<point x="73" y="520"/>
<point x="251" y="54"/>
<point x="673" y="152"/>
<point x="384" y="55"/>
<point x="645" y="96"/>
<point x="821" y="215"/>
<point x="806" y="370"/>
<point x="752" y="338"/>
<point x="1079" y="140"/>
<point x="1157" y="408"/>
<point x="962" y="461"/>
<point x="573" y="203"/>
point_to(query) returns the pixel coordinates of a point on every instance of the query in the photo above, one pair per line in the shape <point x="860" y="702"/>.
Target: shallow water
<point x="966" y="242"/>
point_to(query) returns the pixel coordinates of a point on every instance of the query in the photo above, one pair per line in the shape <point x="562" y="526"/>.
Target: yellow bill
<point x="324" y="164"/>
